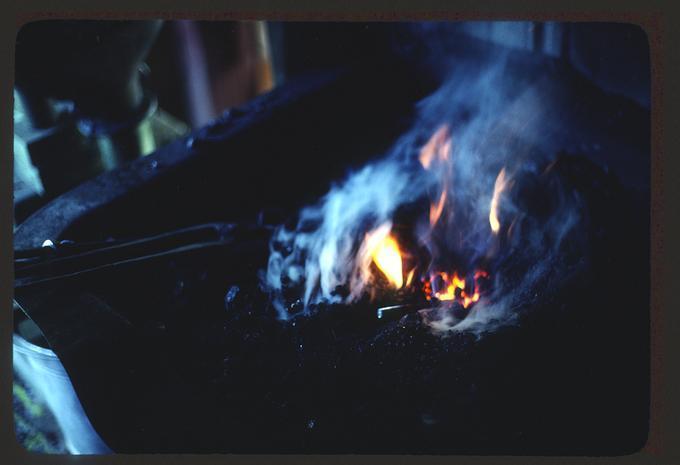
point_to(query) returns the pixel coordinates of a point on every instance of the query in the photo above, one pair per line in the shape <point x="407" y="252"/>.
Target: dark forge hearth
<point x="566" y="377"/>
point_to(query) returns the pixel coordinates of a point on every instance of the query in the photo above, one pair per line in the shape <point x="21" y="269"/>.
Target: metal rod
<point x="391" y="308"/>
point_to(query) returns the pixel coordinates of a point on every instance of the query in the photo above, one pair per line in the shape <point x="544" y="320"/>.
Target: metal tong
<point x="68" y="259"/>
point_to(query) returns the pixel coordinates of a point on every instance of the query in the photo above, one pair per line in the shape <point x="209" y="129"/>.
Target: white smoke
<point x="324" y="257"/>
<point x="487" y="115"/>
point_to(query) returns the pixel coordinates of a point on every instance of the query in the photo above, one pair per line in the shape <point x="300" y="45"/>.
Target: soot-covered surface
<point x="569" y="376"/>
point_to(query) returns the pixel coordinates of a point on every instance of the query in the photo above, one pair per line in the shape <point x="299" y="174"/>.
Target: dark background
<point x="615" y="56"/>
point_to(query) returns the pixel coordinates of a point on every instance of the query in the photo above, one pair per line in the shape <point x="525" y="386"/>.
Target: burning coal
<point x="461" y="213"/>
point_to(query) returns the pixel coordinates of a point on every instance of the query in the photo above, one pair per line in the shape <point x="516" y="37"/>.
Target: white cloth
<point x="41" y="369"/>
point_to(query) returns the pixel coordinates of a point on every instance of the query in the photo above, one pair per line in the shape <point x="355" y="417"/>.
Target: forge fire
<point x="383" y="249"/>
<point x="440" y="223"/>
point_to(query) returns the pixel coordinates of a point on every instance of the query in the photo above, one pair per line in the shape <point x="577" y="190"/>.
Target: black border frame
<point x="655" y="17"/>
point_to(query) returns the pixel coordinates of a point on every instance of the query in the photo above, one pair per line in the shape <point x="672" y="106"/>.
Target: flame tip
<point x="499" y="186"/>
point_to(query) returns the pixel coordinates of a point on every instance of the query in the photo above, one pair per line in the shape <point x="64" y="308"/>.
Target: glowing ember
<point x="384" y="252"/>
<point x="500" y="185"/>
<point x="454" y="288"/>
<point x="449" y="292"/>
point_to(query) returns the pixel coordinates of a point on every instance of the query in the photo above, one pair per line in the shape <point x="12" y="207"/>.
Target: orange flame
<point x="436" y="210"/>
<point x="388" y="260"/>
<point x="384" y="252"/>
<point x="439" y="146"/>
<point x="500" y="185"/>
<point x="409" y="278"/>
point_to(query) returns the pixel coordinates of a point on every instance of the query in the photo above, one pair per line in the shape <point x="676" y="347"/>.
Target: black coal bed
<point x="173" y="344"/>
